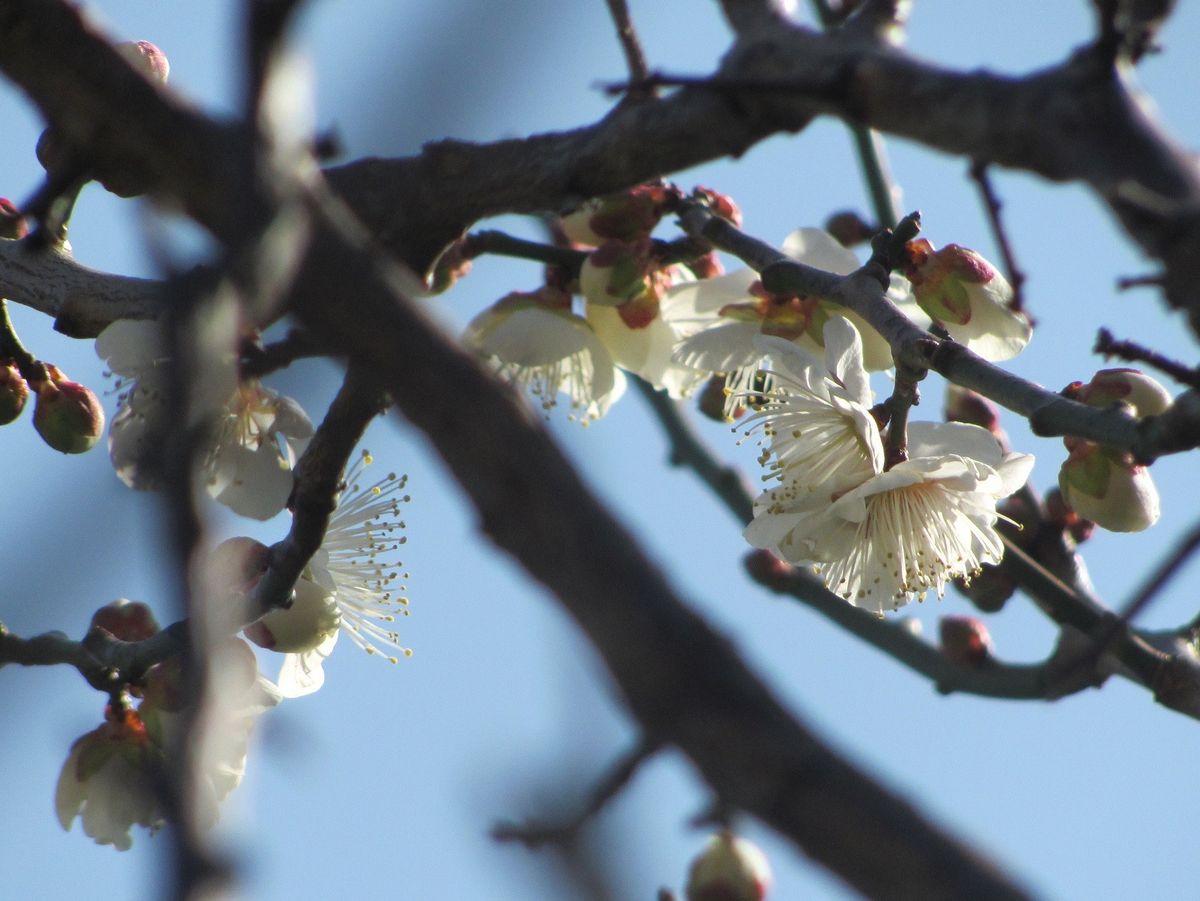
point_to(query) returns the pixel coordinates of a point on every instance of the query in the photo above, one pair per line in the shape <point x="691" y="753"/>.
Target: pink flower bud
<point x="721" y="204"/>
<point x="449" y="268"/>
<point x="14" y="391"/>
<point x="989" y="589"/>
<point x="1061" y="516"/>
<point x="628" y="216"/>
<point x="68" y="415"/>
<point x="707" y="266"/>
<point x="1128" y="386"/>
<point x="12" y="223"/>
<point x="965" y="641"/>
<point x="1108" y="487"/>
<point x="729" y="869"/>
<point x="147" y="58"/>
<point x="849" y="228"/>
<point x="126" y="620"/>
<point x="944" y="280"/>
<point x="624" y="276"/>
<point x="964" y="405"/>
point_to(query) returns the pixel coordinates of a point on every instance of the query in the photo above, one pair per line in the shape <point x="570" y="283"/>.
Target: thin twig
<point x="635" y="59"/>
<point x="687" y="450"/>
<point x="260" y="360"/>
<point x="502" y="244"/>
<point x="534" y="834"/>
<point x="1133" y="352"/>
<point x="992" y="206"/>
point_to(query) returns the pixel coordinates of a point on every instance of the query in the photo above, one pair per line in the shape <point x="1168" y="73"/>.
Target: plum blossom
<point x="730" y="311"/>
<point x="351" y="585"/>
<point x="108" y="781"/>
<point x="912" y="528"/>
<point x="254" y="443"/>
<point x="537" y="343"/>
<point x="816" y="417"/>
<point x="109" y="777"/>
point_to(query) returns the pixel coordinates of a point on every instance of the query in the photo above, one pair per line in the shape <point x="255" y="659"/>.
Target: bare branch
<point x="992" y="205"/>
<point x="81" y="300"/>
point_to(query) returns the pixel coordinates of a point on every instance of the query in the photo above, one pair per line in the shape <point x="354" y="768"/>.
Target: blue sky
<point x="388" y="780"/>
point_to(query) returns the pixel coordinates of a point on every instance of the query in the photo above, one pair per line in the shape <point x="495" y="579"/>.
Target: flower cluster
<point x="879" y="536"/>
<point x="676" y="326"/>
<point x="247" y="464"/>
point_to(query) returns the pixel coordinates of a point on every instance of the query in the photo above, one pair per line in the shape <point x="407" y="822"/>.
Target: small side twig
<point x="534" y="835"/>
<point x="635" y="59"/>
<point x="1133" y="352"/>
<point x="992" y="206"/>
<point x="502" y="244"/>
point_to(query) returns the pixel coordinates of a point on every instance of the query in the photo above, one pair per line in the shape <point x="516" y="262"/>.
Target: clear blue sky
<point x="386" y="782"/>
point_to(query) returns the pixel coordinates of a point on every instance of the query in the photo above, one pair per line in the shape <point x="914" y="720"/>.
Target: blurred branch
<point x="258" y="360"/>
<point x="534" y="834"/>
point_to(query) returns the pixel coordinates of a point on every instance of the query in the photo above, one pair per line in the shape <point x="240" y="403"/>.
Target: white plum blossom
<point x="255" y="441"/>
<point x="108" y="782"/>
<point x="730" y="311"/>
<point x="353" y="584"/>
<point x="537" y="343"/>
<point x="912" y="528"/>
<point x="815" y="417"/>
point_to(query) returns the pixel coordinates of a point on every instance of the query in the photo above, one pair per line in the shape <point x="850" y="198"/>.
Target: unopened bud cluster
<point x="1102" y="484"/>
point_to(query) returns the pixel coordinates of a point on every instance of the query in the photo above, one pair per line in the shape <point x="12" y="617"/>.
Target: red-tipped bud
<point x="964" y="405"/>
<point x="729" y="869"/>
<point x="1124" y="386"/>
<point x="126" y="620"/>
<point x="1109" y="488"/>
<point x="14" y="391"/>
<point x="767" y="569"/>
<point x="965" y="641"/>
<point x="989" y="589"/>
<point x="449" y="268"/>
<point x="628" y="216"/>
<point x="147" y="58"/>
<point x="849" y="228"/>
<point x="707" y="266"/>
<point x="721" y="204"/>
<point x="68" y="415"/>
<point x="12" y="223"/>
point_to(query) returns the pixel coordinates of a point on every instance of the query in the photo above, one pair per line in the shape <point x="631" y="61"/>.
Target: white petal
<point x="253" y="483"/>
<point x="818" y="248"/>
<point x="302" y="674"/>
<point x="726" y="346"/>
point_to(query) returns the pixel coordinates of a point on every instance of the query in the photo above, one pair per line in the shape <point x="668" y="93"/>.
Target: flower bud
<point x="14" y="391"/>
<point x="304" y="626"/>
<point x="1062" y="517"/>
<point x="147" y="58"/>
<point x="721" y="204"/>
<point x="989" y="589"/>
<point x="849" y="228"/>
<point x="125" y="619"/>
<point x="707" y="266"/>
<point x="451" y="265"/>
<point x="624" y="276"/>
<point x="963" y="292"/>
<point x="1128" y="386"/>
<point x="628" y="216"/>
<point x="68" y="415"/>
<point x="964" y="405"/>
<point x="965" y="641"/>
<point x="729" y="869"/>
<point x="1108" y="487"/>
<point x="12" y="223"/>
